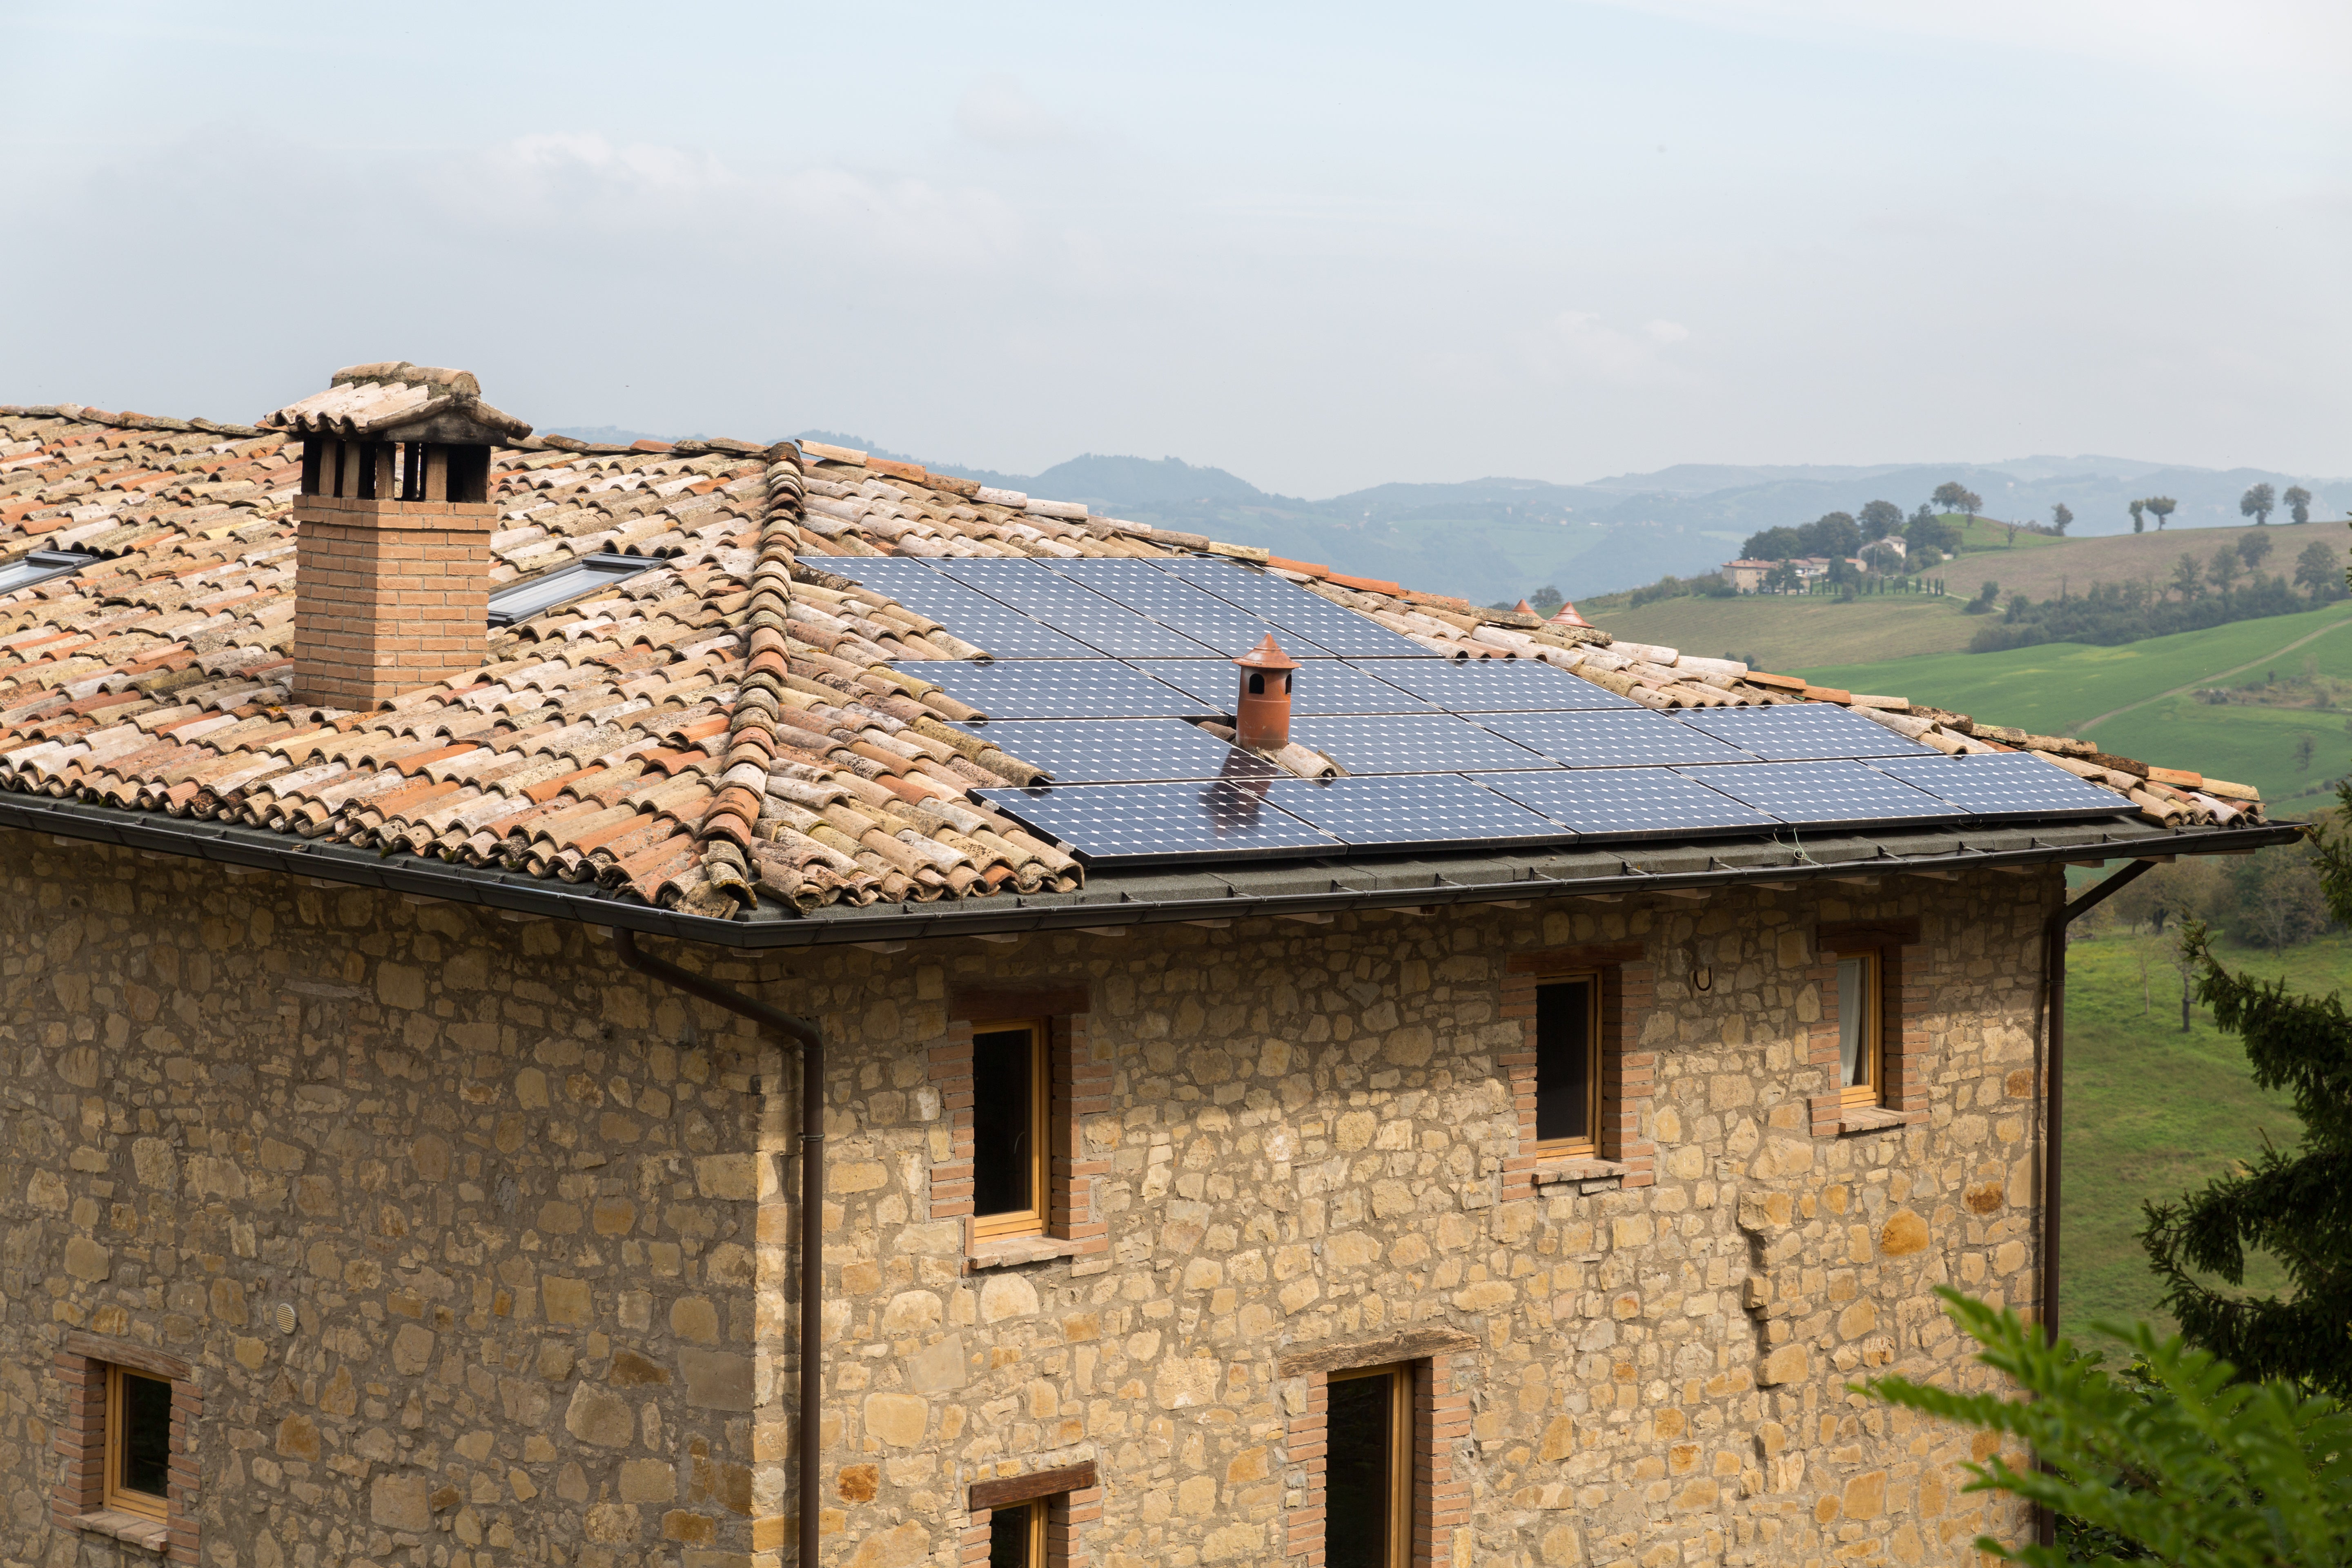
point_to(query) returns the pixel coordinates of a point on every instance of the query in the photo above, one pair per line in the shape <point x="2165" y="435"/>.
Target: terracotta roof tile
<point x="723" y="730"/>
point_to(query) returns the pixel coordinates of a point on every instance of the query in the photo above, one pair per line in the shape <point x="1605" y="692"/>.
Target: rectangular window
<point x="1367" y="1468"/>
<point x="137" y="1443"/>
<point x="1862" y="1070"/>
<point x="1012" y="1083"/>
<point x="1016" y="1536"/>
<point x="1568" y="1066"/>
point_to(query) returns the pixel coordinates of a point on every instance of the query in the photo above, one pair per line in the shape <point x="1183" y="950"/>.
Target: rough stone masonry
<point x="477" y="1246"/>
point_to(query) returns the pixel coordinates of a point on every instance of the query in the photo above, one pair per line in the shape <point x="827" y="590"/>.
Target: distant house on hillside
<point x="1748" y="576"/>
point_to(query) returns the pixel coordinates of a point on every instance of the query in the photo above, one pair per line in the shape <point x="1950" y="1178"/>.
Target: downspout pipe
<point x="2054" y="968"/>
<point x="810" y="1042"/>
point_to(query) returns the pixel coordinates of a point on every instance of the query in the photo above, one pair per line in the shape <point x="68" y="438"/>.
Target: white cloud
<point x="1580" y="345"/>
<point x="997" y="110"/>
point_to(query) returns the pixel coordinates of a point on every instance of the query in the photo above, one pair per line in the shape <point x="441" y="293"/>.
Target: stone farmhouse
<point x="561" y="1008"/>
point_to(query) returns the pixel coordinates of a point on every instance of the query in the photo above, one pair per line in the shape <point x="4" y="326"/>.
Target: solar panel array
<point x="1097" y="666"/>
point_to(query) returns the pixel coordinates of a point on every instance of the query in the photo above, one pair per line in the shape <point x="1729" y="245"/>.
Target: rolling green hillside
<point x="1797" y="632"/>
<point x="2141" y="699"/>
<point x="2151" y="1111"/>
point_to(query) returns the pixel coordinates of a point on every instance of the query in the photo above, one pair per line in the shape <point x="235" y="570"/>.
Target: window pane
<point x="1356" y="1474"/>
<point x="1008" y="1538"/>
<point x="1564" y="1046"/>
<point x="1003" y="1103"/>
<point x="146" y="1435"/>
<point x="1853" y="1007"/>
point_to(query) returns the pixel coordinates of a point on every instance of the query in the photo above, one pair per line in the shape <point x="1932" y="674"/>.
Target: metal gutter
<point x="2054" y="1122"/>
<point x="1113" y="901"/>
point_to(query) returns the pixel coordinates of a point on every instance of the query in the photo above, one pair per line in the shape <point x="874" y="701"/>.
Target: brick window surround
<point x="79" y="1500"/>
<point x="1081" y="1079"/>
<point x="1628" y="1074"/>
<point x="1441" y="1418"/>
<point x="1073" y="1499"/>
<point x="1903" y="1030"/>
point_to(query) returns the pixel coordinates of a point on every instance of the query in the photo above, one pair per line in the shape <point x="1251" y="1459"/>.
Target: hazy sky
<point x="1322" y="246"/>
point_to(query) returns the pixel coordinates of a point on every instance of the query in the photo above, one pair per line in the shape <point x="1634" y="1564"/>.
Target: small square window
<point x="137" y="1443"/>
<point x="1011" y="1084"/>
<point x="1862" y="1062"/>
<point x="1568" y="1066"/>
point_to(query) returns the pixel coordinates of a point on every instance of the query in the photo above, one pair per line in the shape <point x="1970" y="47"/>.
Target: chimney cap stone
<point x="394" y="400"/>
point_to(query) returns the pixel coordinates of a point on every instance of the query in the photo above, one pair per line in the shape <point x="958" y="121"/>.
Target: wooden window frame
<point x="85" y="1372"/>
<point x="1079" y="1090"/>
<point x="1064" y="1505"/>
<point x="1032" y="1220"/>
<point x="113" y="1494"/>
<point x="1033" y="1524"/>
<point x="1623" y="1156"/>
<point x="1439" y="1423"/>
<point x="1402" y="1499"/>
<point x="1589" y="1146"/>
<point x="1872" y="1089"/>
<point x="1903" y="1049"/>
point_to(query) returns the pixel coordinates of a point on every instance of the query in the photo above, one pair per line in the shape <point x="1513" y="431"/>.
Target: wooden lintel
<point x="1012" y="1489"/>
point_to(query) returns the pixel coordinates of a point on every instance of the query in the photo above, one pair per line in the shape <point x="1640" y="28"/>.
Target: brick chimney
<point x="392" y="562"/>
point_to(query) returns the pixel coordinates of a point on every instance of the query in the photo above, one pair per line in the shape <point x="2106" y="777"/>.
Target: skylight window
<point x="39" y="566"/>
<point x="520" y="601"/>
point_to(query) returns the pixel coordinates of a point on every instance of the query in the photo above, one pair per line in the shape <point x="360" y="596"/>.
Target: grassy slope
<point x="1796" y="632"/>
<point x="1801" y="632"/>
<point x="2058" y="685"/>
<point x="2152" y="1112"/>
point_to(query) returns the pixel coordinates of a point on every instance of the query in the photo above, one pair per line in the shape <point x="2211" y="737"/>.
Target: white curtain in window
<point x="1851" y="1005"/>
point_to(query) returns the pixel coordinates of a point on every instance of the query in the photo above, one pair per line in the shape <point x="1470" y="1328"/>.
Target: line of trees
<point x="2261" y="500"/>
<point x="1839" y="536"/>
<point x="2226" y="586"/>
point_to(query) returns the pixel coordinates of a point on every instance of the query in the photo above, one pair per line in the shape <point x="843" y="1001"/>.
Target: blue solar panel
<point x="1800" y="732"/>
<point x="2012" y="783"/>
<point x="1031" y="587"/>
<point x="1120" y="750"/>
<point x="1409" y="743"/>
<point x="1059" y="688"/>
<point x="1292" y="607"/>
<point x="1142" y="822"/>
<point x="1628" y="802"/>
<point x="1324" y="686"/>
<point x="985" y="623"/>
<point x="1500" y="685"/>
<point x="1431" y="808"/>
<point x="1616" y="738"/>
<point x="1172" y="602"/>
<point x="1823" y="795"/>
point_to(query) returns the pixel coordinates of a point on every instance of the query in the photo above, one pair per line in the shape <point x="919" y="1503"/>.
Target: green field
<point x="1800" y="632"/>
<point x="2117" y="695"/>
<point x="1795" y="632"/>
<point x="2152" y="1112"/>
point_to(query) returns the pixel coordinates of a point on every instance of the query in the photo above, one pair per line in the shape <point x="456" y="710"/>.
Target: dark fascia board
<point x="1226" y="894"/>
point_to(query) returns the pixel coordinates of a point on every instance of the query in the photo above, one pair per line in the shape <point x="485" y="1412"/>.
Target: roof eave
<point x="1393" y="886"/>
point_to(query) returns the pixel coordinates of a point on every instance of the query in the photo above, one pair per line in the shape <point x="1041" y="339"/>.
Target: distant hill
<point x="1797" y="633"/>
<point x="1499" y="538"/>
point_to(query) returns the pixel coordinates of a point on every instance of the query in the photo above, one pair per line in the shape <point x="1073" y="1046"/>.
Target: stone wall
<point x="501" y="1194"/>
<point x="530" y="1214"/>
<point x="1308" y="1147"/>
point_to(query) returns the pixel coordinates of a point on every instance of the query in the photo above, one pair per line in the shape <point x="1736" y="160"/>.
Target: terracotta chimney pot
<point x="1262" y="715"/>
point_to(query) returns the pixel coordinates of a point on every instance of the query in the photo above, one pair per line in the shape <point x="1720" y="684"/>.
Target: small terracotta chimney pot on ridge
<point x="1262" y="715"/>
<point x="392" y="558"/>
